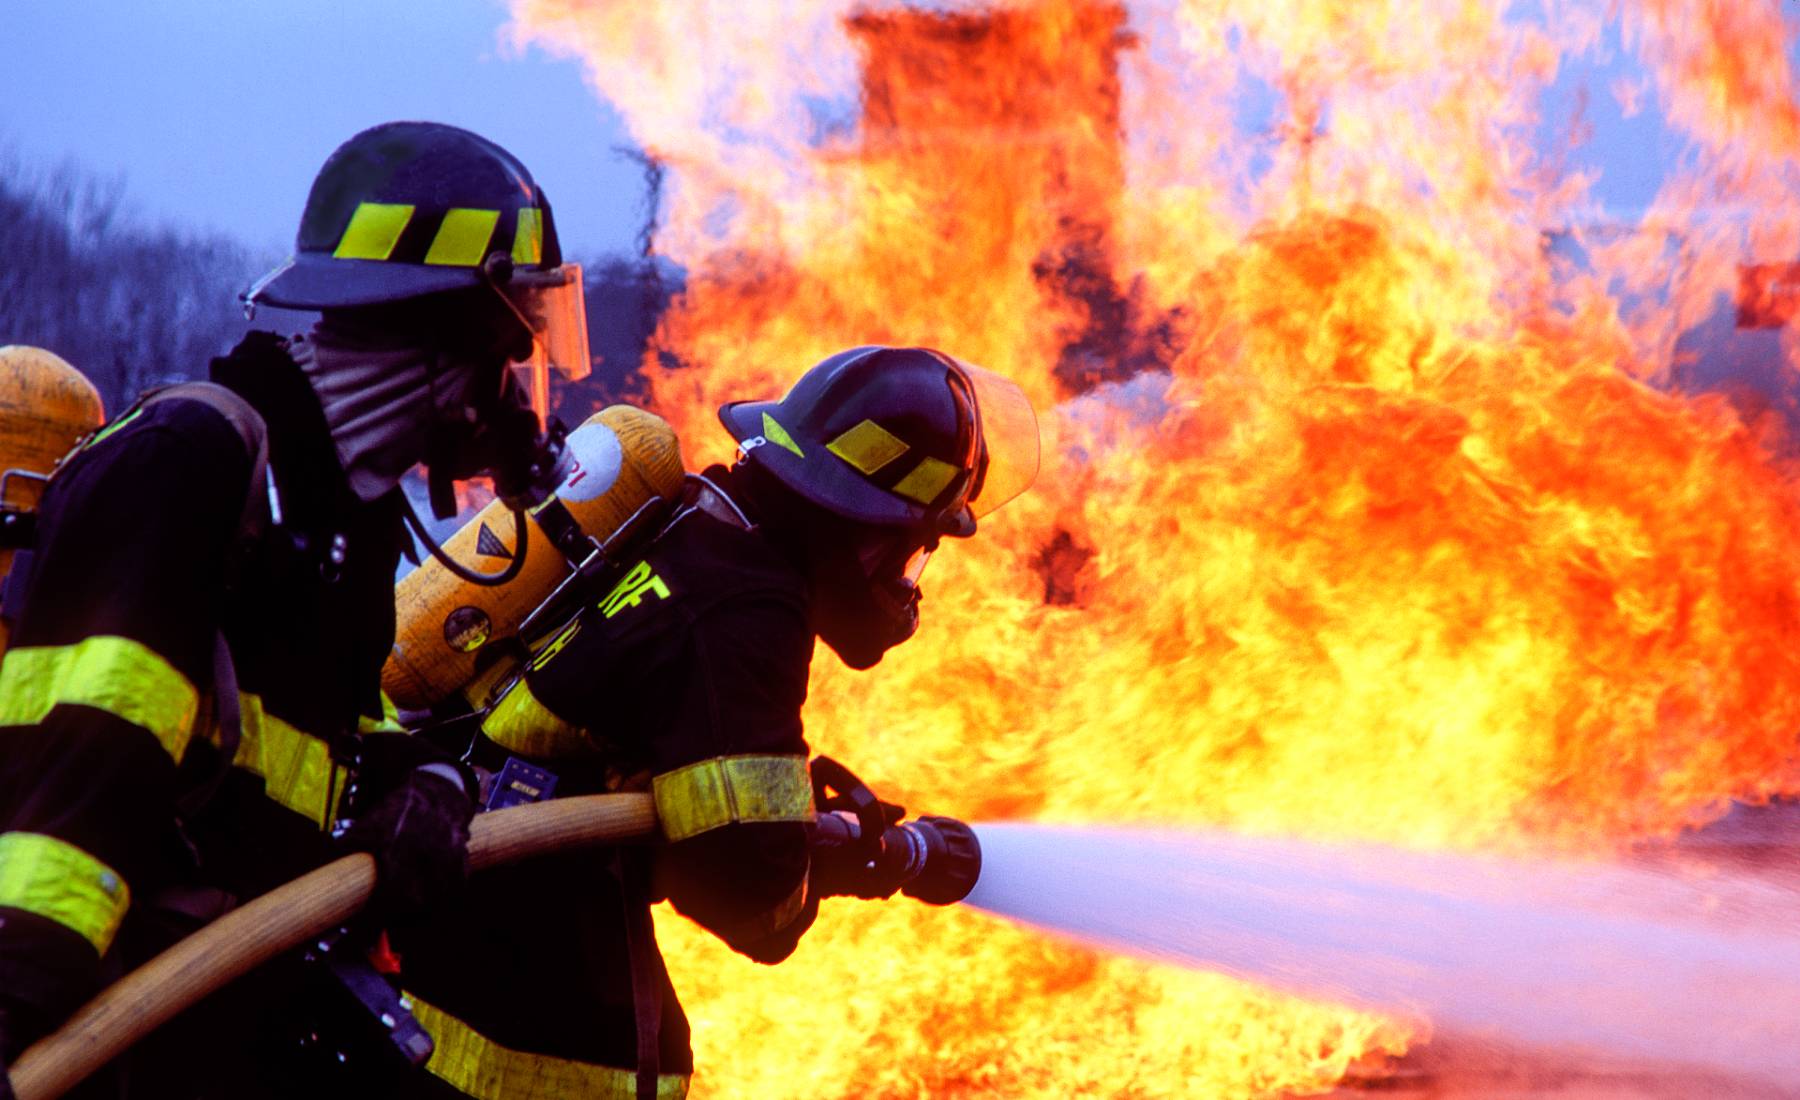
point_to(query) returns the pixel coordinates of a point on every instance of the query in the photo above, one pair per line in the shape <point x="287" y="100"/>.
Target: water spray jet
<point x="1648" y="964"/>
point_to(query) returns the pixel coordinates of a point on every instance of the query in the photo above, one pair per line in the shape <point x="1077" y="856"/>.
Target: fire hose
<point x="933" y="859"/>
<point x="282" y="919"/>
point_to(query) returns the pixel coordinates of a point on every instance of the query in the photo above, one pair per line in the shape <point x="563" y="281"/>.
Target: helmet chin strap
<point x="496" y="270"/>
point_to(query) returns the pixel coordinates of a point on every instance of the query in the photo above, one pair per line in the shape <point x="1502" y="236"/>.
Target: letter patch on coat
<point x="631" y="591"/>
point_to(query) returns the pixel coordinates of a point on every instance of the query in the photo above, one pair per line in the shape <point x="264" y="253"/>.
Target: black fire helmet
<point x="895" y="437"/>
<point x="412" y="208"/>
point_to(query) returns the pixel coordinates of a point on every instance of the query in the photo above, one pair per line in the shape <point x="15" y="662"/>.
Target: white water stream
<point x="1654" y="964"/>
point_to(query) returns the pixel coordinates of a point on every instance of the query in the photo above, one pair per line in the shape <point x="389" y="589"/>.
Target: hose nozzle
<point x="865" y="851"/>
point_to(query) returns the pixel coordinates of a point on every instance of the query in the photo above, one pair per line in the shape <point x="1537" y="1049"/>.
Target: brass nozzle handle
<point x="256" y="932"/>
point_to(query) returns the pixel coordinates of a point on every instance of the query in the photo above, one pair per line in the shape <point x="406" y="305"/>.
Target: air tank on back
<point x="624" y="458"/>
<point x="46" y="406"/>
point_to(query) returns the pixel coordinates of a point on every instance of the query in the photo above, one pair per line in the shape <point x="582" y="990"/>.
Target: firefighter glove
<point x="419" y="835"/>
<point x="847" y="874"/>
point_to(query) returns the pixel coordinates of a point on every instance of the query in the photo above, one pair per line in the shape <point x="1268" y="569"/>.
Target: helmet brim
<point x="827" y="480"/>
<point x="313" y="281"/>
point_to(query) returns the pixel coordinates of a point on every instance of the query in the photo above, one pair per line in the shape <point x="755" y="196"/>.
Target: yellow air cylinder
<point x="46" y="406"/>
<point x="623" y="456"/>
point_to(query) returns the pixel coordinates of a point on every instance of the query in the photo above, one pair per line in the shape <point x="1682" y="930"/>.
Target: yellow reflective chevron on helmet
<point x="868" y="447"/>
<point x="373" y="231"/>
<point x="462" y="237"/>
<point x="778" y="435"/>
<point x="927" y="480"/>
<point x="528" y="236"/>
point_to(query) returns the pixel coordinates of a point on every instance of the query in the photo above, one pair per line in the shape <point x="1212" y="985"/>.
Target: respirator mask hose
<point x="463" y="572"/>
<point x="527" y="481"/>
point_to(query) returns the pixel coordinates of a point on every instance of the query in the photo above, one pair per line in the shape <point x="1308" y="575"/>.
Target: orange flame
<point x="1358" y="517"/>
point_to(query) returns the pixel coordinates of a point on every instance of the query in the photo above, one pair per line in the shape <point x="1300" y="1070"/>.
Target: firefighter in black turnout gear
<point x="192" y="697"/>
<point x="684" y="673"/>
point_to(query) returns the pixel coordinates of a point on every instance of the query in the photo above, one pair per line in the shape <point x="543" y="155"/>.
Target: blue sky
<point x="217" y="113"/>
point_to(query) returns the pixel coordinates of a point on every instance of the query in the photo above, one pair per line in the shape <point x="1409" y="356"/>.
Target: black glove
<point x="842" y="873"/>
<point x="418" y="833"/>
<point x="855" y="870"/>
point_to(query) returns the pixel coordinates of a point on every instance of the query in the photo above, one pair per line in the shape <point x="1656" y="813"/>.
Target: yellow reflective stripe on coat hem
<point x="519" y="723"/>
<point x="56" y="880"/>
<point x="122" y="677"/>
<point x="296" y="767"/>
<point x="725" y="789"/>
<point x="482" y="1068"/>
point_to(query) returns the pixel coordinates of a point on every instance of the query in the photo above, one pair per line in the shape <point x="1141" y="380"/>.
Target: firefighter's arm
<point x="745" y="877"/>
<point x="732" y="792"/>
<point x="109" y="662"/>
<point x="713" y="706"/>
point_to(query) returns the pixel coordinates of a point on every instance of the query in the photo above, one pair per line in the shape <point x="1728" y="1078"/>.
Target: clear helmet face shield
<point x="1009" y="437"/>
<point x="552" y="305"/>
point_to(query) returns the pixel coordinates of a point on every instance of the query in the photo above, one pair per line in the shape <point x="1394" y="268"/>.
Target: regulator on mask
<point x="504" y="428"/>
<point x="868" y="586"/>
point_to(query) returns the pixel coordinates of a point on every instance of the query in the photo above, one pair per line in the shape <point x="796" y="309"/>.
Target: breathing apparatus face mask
<point x="506" y="429"/>
<point x="869" y="594"/>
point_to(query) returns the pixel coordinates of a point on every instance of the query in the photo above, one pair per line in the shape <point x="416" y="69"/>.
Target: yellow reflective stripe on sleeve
<point x="482" y="1068"/>
<point x="519" y="723"/>
<point x="926" y="481"/>
<point x="728" y="789"/>
<point x="373" y="231"/>
<point x="126" y="679"/>
<point x="528" y="236"/>
<point x="296" y="768"/>
<point x="868" y="447"/>
<point x="462" y="238"/>
<point x="55" y="879"/>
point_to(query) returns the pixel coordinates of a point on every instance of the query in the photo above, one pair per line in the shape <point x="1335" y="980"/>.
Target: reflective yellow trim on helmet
<point x="927" y="480"/>
<point x="528" y="236"/>
<point x="779" y="436"/>
<point x="462" y="238"/>
<point x="727" y="789"/>
<point x="296" y="767"/>
<point x="55" y="879"/>
<point x="373" y="231"/>
<point x="519" y="723"/>
<point x="868" y="447"/>
<point x="482" y="1068"/>
<point x="126" y="679"/>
